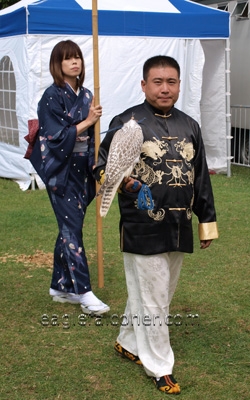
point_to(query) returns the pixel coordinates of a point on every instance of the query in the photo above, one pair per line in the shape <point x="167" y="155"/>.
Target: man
<point x="173" y="165"/>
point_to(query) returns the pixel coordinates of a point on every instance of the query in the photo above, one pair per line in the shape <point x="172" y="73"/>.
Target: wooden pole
<point x="97" y="141"/>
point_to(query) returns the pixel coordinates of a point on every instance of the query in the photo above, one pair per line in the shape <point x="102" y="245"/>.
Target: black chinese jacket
<point x="173" y="165"/>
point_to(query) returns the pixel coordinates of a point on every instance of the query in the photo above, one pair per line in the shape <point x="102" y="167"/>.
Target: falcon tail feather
<point x="107" y="198"/>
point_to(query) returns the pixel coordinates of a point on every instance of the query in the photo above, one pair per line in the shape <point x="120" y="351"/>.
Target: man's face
<point x="162" y="87"/>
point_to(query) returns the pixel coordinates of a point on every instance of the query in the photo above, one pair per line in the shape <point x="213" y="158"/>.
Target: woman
<point x="64" y="156"/>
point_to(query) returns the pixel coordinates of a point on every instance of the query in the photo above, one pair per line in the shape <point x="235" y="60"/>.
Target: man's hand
<point x="132" y="185"/>
<point x="205" y="243"/>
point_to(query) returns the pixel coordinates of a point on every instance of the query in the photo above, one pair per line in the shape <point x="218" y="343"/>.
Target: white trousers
<point x="151" y="283"/>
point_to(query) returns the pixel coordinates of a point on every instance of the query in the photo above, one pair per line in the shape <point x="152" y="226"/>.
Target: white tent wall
<point x="120" y="66"/>
<point x="213" y="105"/>
<point x="121" y="79"/>
<point x="12" y="163"/>
<point x="240" y="60"/>
<point x="121" y="59"/>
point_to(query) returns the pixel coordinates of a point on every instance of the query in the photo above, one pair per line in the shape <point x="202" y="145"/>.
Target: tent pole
<point x="97" y="141"/>
<point x="228" y="109"/>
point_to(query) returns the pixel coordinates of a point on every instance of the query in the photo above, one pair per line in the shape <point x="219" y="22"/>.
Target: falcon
<point x="124" y="153"/>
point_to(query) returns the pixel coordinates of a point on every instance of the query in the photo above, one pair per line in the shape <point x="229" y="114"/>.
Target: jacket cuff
<point x="208" y="231"/>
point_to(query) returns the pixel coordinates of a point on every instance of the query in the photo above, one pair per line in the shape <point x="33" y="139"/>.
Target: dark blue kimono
<point x="68" y="179"/>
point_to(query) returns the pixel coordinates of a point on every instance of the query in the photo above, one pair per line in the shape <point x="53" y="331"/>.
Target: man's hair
<point x="160" y="61"/>
<point x="61" y="51"/>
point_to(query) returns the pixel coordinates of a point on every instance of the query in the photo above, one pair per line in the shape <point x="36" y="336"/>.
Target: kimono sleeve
<point x="56" y="126"/>
<point x="57" y="134"/>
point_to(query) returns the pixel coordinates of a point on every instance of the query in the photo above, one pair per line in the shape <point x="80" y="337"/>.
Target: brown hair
<point x="62" y="50"/>
<point x="159" y="61"/>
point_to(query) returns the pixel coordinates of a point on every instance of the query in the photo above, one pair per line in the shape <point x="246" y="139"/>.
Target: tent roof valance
<point x="178" y="18"/>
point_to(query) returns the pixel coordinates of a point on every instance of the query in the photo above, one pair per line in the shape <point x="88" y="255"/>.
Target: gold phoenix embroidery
<point x="156" y="149"/>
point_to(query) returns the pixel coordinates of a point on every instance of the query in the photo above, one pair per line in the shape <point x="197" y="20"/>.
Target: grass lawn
<point x="48" y="351"/>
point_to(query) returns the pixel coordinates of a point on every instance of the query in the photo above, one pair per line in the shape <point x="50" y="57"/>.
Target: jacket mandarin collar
<point x="157" y="112"/>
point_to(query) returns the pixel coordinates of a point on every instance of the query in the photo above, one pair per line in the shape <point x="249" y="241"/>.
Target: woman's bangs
<point x="71" y="51"/>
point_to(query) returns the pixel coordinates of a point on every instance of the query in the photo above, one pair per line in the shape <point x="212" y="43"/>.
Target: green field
<point x="49" y="352"/>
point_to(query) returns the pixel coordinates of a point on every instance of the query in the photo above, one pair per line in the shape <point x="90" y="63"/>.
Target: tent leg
<point x="33" y="181"/>
<point x="228" y="109"/>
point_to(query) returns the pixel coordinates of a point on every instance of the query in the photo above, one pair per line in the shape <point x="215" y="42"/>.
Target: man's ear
<point x="143" y="84"/>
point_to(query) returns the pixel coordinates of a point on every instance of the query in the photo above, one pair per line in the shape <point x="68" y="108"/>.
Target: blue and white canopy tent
<point x="129" y="33"/>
